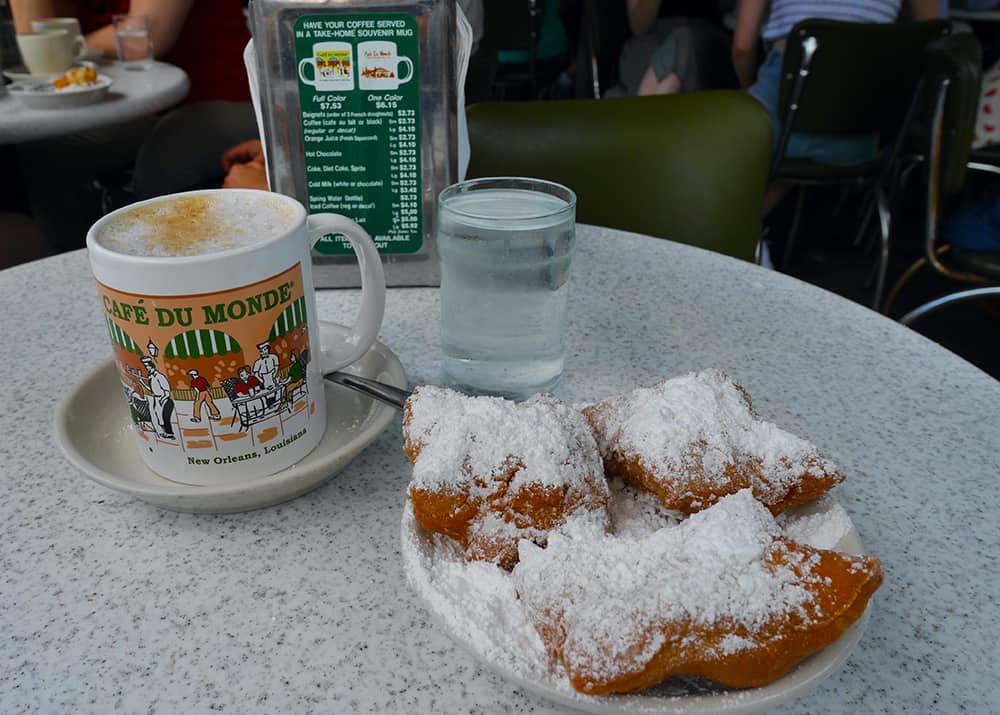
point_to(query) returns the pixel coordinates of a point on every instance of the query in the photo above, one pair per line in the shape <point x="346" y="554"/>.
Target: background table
<point x="110" y="604"/>
<point x="134" y="93"/>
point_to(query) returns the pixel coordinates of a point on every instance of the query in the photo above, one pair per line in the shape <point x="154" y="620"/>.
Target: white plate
<point x="92" y="426"/>
<point x="675" y="697"/>
<point x="42" y="95"/>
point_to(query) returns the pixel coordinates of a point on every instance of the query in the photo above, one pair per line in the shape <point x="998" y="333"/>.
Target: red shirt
<point x="199" y="383"/>
<point x="243" y="388"/>
<point x="209" y="47"/>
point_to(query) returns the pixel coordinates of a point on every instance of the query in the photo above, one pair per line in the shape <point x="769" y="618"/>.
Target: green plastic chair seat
<point x="690" y="167"/>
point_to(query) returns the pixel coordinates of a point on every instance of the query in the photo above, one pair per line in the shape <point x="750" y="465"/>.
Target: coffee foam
<point x="196" y="225"/>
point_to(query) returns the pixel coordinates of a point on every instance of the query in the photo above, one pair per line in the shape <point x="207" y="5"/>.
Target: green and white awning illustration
<point x="291" y="317"/>
<point x="201" y="343"/>
<point x="121" y="338"/>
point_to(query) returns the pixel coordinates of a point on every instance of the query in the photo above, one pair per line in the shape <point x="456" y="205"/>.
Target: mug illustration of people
<point x="333" y="67"/>
<point x="161" y="404"/>
<point x="200" y="385"/>
<point x="380" y="65"/>
<point x="265" y="368"/>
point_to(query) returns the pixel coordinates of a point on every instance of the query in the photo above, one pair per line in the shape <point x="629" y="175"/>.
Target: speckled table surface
<point x="113" y="605"/>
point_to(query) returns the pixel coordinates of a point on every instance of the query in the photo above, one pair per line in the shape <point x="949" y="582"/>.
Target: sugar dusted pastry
<point x="692" y="440"/>
<point x="489" y="472"/>
<point x="723" y="596"/>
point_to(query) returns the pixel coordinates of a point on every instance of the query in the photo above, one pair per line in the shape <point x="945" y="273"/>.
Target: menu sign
<point x="360" y="101"/>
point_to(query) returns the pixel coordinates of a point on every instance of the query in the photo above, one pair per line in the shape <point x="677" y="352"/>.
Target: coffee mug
<point x="49" y="51"/>
<point x="209" y="304"/>
<point x="380" y="65"/>
<point x="333" y="68"/>
<point x="69" y="24"/>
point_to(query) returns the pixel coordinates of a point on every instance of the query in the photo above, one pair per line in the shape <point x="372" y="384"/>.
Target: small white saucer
<point x="22" y="74"/>
<point x="93" y="428"/>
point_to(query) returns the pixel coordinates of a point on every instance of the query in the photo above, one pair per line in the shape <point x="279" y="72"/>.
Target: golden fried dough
<point x="722" y="596"/>
<point x="488" y="472"/>
<point x="694" y="439"/>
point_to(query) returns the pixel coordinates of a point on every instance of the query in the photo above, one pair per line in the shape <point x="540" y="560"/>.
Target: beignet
<point x="488" y="472"/>
<point x="723" y="596"/>
<point x="692" y="440"/>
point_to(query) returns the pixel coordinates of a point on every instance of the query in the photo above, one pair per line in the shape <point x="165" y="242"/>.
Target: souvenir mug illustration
<point x="333" y="67"/>
<point x="380" y="66"/>
<point x="208" y="300"/>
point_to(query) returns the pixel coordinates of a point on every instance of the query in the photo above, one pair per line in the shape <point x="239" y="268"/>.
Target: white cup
<point x="238" y="324"/>
<point x="49" y="51"/>
<point x="333" y="67"/>
<point x="379" y="65"/>
<point x="70" y="24"/>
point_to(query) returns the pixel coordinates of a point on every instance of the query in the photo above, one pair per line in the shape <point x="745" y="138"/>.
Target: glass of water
<point x="506" y="245"/>
<point x="134" y="41"/>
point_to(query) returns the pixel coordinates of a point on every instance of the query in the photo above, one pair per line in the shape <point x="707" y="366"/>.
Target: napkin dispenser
<point x="358" y="106"/>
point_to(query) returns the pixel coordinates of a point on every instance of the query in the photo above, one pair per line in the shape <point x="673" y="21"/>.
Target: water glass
<point x="134" y="41"/>
<point x="506" y="245"/>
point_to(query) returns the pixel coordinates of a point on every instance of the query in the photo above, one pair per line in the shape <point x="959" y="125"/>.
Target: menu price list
<point x="361" y="135"/>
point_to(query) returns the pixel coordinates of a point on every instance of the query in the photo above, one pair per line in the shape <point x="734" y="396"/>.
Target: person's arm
<point x="166" y="19"/>
<point x="925" y="9"/>
<point x="24" y="11"/>
<point x="642" y="15"/>
<point x="745" y="38"/>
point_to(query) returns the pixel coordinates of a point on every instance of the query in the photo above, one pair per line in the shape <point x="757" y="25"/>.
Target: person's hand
<point x="243" y="153"/>
<point x="250" y="175"/>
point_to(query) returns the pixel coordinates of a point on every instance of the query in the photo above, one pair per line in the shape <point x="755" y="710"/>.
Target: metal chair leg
<point x="800" y="204"/>
<point x="908" y="274"/>
<point x="885" y="219"/>
<point x="866" y="219"/>
<point x="960" y="297"/>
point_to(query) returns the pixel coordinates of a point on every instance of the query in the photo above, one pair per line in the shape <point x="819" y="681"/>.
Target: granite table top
<point x="133" y="93"/>
<point x="113" y="605"/>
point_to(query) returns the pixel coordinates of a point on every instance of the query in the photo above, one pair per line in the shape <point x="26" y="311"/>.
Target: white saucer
<point x="423" y="559"/>
<point x="42" y="95"/>
<point x="92" y="426"/>
<point x="22" y="74"/>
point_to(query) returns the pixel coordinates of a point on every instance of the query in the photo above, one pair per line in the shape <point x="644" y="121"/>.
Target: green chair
<point x="690" y="167"/>
<point x="850" y="78"/>
<point x="951" y="97"/>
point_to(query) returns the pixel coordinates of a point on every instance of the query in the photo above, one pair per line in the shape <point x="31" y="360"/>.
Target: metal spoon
<point x="389" y="394"/>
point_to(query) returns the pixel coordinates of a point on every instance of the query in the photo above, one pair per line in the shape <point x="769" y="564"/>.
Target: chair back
<point x="861" y="77"/>
<point x="954" y="66"/>
<point x="690" y="167"/>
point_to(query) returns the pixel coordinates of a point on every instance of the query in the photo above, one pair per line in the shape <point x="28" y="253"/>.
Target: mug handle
<point x="79" y="47"/>
<point x="409" y="75"/>
<point x="342" y="351"/>
<point x="303" y="63"/>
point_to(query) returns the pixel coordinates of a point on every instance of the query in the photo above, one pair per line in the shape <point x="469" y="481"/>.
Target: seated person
<point x="248" y="384"/>
<point x="765" y="83"/>
<point x="176" y="152"/>
<point x="244" y="166"/>
<point x="676" y="46"/>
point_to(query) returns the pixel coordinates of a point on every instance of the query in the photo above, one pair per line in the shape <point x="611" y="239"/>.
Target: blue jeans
<point x="831" y="149"/>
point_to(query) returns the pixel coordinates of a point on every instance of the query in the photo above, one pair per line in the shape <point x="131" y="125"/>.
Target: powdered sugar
<point x="822" y="524"/>
<point x="462" y="436"/>
<point x="609" y="594"/>
<point x="702" y="423"/>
